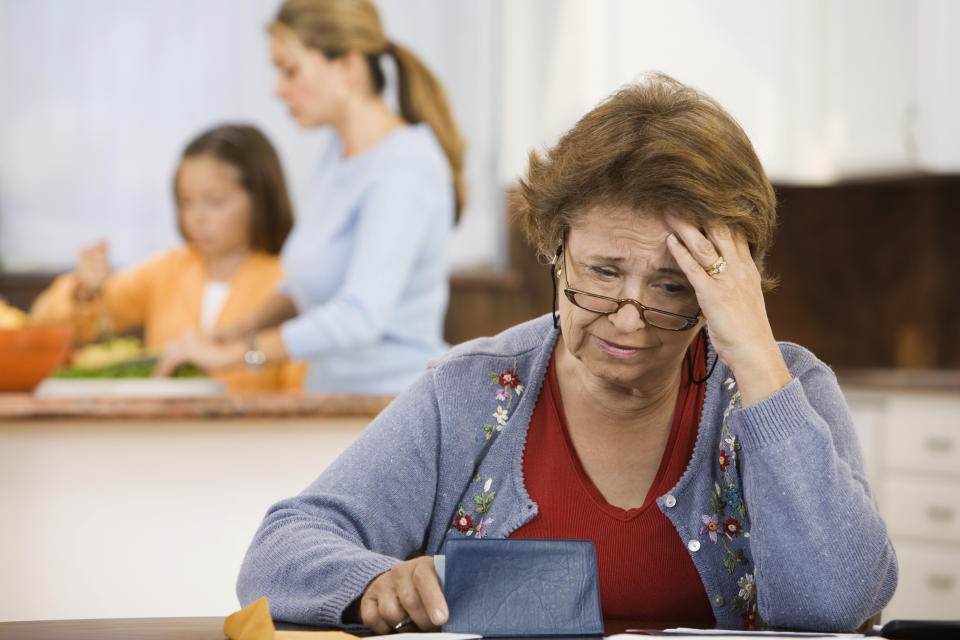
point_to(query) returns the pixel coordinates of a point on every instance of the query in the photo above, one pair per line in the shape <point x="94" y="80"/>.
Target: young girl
<point x="234" y="213"/>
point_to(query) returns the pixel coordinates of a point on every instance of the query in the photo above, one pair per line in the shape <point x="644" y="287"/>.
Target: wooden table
<point x="115" y="629"/>
<point x="180" y="629"/>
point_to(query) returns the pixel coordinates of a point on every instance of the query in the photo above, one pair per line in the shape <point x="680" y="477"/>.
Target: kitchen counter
<point x="145" y="506"/>
<point x="908" y="424"/>
<point x="26" y="406"/>
<point x="119" y="507"/>
<point x="901" y="379"/>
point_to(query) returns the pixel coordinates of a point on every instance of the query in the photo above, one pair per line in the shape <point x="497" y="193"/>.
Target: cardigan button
<point x="693" y="545"/>
<point x="717" y="600"/>
<point x="669" y="500"/>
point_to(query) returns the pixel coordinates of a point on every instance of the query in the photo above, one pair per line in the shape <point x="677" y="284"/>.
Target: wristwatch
<point x="254" y="358"/>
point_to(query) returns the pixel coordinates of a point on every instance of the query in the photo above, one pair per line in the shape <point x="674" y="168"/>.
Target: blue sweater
<point x="811" y="551"/>
<point x="366" y="265"/>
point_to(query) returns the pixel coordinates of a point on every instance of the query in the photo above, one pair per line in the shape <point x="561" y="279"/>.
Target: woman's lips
<point x="617" y="350"/>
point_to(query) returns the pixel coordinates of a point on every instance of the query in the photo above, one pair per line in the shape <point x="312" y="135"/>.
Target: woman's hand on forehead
<point x="718" y="264"/>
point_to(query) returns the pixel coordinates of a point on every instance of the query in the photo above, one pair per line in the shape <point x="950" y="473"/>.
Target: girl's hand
<point x="732" y="302"/>
<point x="91" y="270"/>
<point x="198" y="350"/>
<point x="410" y="591"/>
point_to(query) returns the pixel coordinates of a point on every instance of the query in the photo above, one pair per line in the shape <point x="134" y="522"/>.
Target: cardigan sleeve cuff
<point x="774" y="418"/>
<point x="354" y="583"/>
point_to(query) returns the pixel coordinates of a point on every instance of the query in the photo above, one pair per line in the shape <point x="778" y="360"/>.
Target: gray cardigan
<point x="774" y="508"/>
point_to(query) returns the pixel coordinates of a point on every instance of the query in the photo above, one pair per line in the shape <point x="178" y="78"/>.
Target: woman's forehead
<point x="618" y="229"/>
<point x="284" y="44"/>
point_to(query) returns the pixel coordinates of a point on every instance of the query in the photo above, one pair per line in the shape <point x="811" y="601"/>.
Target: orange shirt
<point x="165" y="296"/>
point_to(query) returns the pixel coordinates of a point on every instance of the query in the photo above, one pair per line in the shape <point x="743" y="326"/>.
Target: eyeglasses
<point x="605" y="305"/>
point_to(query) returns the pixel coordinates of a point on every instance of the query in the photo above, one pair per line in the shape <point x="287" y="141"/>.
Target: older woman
<point x="716" y="471"/>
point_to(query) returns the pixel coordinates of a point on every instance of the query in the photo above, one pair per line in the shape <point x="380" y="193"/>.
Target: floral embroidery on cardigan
<point x="746" y="600"/>
<point x="464" y="522"/>
<point x="507" y="388"/>
<point x="728" y="521"/>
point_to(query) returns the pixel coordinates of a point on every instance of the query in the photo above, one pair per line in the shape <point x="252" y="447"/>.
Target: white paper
<point x="725" y="633"/>
<point x="435" y="635"/>
<point x="730" y="634"/>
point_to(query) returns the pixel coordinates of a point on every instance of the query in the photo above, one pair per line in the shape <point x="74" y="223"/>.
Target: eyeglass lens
<point x="652" y="316"/>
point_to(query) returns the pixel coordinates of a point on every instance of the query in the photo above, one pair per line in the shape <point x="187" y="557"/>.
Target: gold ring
<point x="406" y="622"/>
<point x="717" y="267"/>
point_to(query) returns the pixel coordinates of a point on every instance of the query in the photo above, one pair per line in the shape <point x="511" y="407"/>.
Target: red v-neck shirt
<point x="645" y="570"/>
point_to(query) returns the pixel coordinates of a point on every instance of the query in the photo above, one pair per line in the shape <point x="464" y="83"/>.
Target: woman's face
<point x="622" y="253"/>
<point x="313" y="87"/>
<point x="215" y="210"/>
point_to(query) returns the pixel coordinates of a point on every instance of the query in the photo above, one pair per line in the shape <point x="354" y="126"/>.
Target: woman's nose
<point x="629" y="317"/>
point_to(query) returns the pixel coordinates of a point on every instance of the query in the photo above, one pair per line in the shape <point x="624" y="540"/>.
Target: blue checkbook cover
<point x="521" y="587"/>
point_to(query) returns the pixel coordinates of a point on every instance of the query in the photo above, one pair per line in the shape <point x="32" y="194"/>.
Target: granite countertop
<point x="26" y="406"/>
<point x="901" y="379"/>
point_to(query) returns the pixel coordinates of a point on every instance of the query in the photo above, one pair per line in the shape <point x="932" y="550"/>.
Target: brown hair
<point x="261" y="176"/>
<point x="656" y="145"/>
<point x="335" y="27"/>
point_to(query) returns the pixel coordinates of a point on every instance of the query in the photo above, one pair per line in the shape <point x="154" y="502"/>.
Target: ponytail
<point x="335" y="27"/>
<point x="422" y="99"/>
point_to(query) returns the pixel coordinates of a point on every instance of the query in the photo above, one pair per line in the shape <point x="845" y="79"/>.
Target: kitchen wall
<point x="100" y="96"/>
<point x="826" y="90"/>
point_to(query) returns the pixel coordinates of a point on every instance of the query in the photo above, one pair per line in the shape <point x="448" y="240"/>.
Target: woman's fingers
<point x="390" y="611"/>
<point x="717" y="240"/>
<point x="413" y="605"/>
<point x="431" y="594"/>
<point x="175" y="353"/>
<point x="166" y="365"/>
<point x="697" y="244"/>
<point x="378" y="613"/>
<point x="721" y="237"/>
<point x="688" y="263"/>
<point x="730" y="242"/>
<point x="409" y="591"/>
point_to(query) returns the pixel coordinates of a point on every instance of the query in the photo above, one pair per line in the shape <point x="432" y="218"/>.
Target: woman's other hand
<point x="409" y="591"/>
<point x="230" y="333"/>
<point x="732" y="302"/>
<point x="200" y="351"/>
<point x="275" y="311"/>
<point x="91" y="270"/>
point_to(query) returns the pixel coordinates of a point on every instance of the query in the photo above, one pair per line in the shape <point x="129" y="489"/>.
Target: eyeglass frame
<point x="570" y="293"/>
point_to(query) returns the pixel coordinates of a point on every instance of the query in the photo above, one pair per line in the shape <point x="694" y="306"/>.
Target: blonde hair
<point x="336" y="27"/>
<point x="657" y="145"/>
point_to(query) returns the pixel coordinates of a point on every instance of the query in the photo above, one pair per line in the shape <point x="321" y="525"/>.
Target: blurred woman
<point x="234" y="213"/>
<point x="366" y="287"/>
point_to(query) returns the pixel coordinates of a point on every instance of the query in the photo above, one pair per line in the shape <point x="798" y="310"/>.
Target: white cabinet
<point x="911" y="447"/>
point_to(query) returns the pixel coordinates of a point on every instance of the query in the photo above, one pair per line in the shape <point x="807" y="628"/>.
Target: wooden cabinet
<point x="911" y="446"/>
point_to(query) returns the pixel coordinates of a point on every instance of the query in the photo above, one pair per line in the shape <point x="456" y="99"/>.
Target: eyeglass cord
<point x="689" y="360"/>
